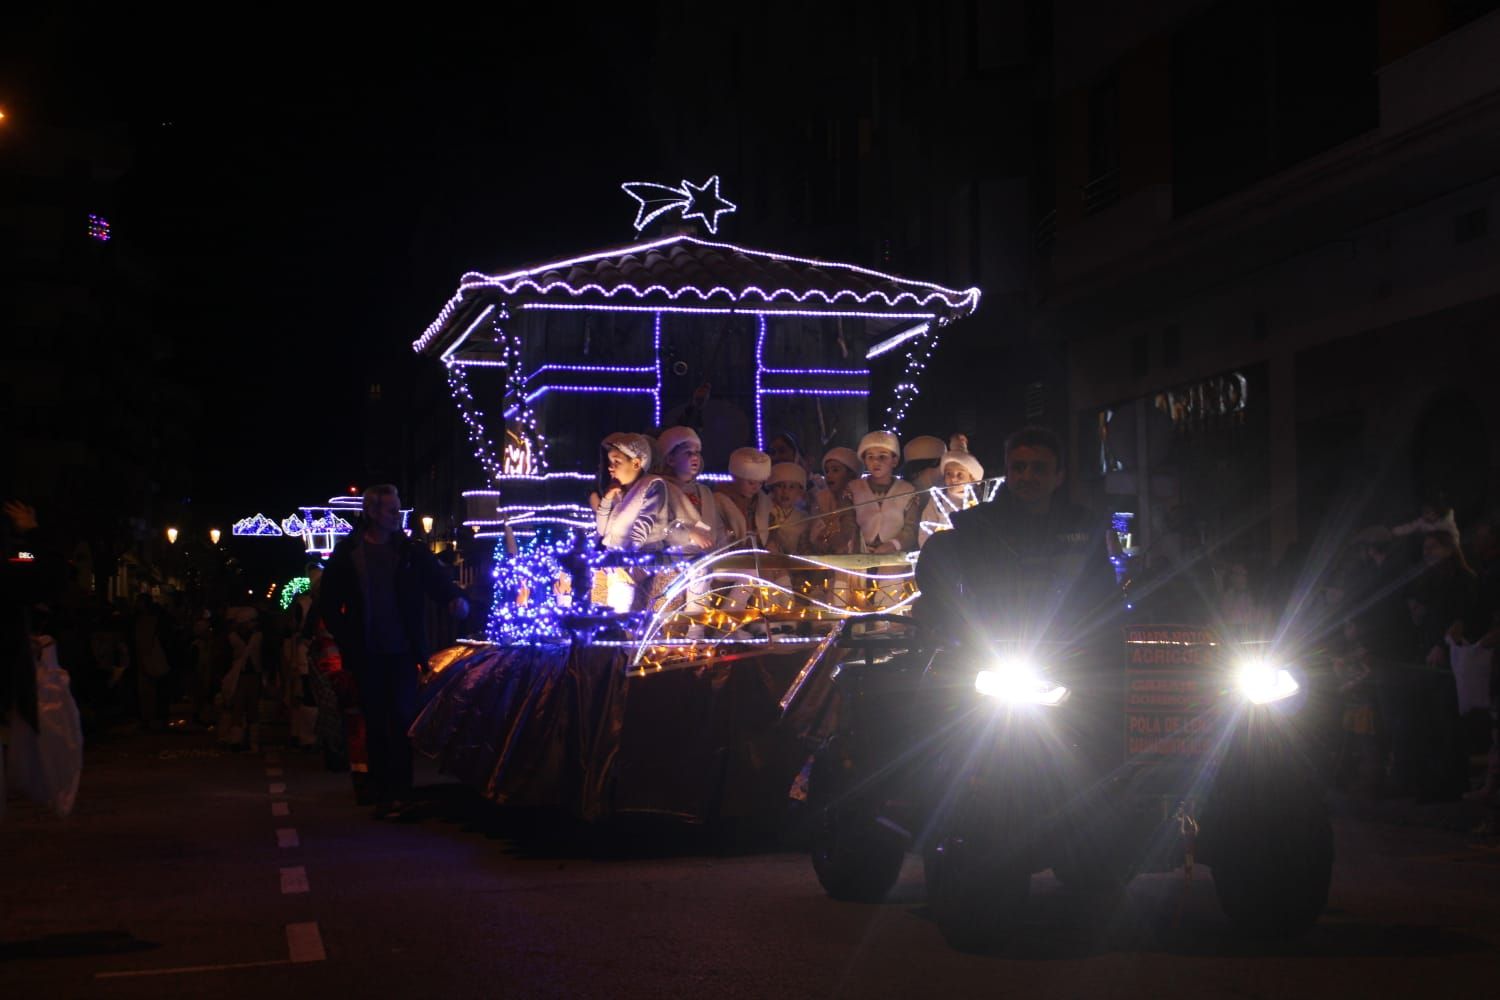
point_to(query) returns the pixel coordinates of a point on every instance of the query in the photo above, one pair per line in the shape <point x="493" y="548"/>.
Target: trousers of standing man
<point x="388" y="696"/>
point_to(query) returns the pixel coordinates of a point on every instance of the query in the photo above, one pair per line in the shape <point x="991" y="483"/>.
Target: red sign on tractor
<point x="1170" y="692"/>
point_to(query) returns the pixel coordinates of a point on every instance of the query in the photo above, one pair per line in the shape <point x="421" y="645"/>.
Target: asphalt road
<point x="179" y="874"/>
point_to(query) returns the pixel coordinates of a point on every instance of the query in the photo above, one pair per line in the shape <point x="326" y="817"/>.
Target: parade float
<point x="666" y="705"/>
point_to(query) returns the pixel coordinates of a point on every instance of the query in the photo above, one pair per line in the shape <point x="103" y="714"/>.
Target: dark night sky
<point x="318" y="194"/>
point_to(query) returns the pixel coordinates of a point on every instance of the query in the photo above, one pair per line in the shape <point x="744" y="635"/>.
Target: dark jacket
<point x="1005" y="572"/>
<point x="341" y="598"/>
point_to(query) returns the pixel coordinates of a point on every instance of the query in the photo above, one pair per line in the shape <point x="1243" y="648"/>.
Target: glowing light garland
<point x="99" y="228"/>
<point x="891" y="343"/>
<point x="711" y="311"/>
<point x="921" y="294"/>
<point x="907" y="390"/>
<point x="694" y="199"/>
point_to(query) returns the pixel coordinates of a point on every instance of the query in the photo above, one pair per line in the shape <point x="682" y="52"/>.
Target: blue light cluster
<point x="260" y="524"/>
<point x="531" y="599"/>
<point x="527" y="607"/>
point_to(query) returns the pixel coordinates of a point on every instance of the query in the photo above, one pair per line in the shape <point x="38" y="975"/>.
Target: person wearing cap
<point x="789" y="517"/>
<point x="960" y="472"/>
<point x="633" y="509"/>
<point x="745" y="507"/>
<point x="885" y="507"/>
<point x="920" y="461"/>
<point x="834" y="531"/>
<point x="696" y="523"/>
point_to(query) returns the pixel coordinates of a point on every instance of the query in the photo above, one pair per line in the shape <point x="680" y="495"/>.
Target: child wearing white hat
<point x="961" y="471"/>
<point x="745" y="505"/>
<point x="834" y="531"/>
<point x="697" y="521"/>
<point x="920" y="459"/>
<point x="789" y="518"/>
<point x="886" y="508"/>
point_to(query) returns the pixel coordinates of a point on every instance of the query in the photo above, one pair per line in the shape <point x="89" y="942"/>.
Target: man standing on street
<point x="372" y="601"/>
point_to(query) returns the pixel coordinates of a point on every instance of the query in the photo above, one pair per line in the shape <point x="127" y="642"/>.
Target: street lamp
<point x="171" y="536"/>
<point x="214" y="534"/>
<point x="427" y="524"/>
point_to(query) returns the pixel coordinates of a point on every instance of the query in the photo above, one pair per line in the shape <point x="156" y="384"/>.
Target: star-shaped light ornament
<point x="705" y="205"/>
<point x="697" y="201"/>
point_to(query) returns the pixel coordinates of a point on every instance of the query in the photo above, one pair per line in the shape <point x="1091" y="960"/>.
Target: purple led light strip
<point x="603" y="369"/>
<point x="515" y="280"/>
<point x="813" y="392"/>
<point x="656" y="353"/>
<point x="628" y="390"/>
<point x="760" y="367"/>
<point x="717" y="311"/>
<point x="851" y="372"/>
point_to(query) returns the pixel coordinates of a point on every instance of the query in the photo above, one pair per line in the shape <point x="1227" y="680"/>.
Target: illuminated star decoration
<point x="697" y="201"/>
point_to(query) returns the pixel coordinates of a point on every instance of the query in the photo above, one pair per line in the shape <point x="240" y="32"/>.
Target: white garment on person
<point x="705" y="512"/>
<point x="734" y="518"/>
<point x="636" y="520"/>
<point x="937" y="514"/>
<point x="880" y="518"/>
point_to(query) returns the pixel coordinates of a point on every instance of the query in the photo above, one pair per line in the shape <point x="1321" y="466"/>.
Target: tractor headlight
<point x="1263" y="683"/>
<point x="1017" y="681"/>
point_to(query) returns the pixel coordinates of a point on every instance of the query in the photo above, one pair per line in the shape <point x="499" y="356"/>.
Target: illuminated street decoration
<point x="292" y="588"/>
<point x="258" y="525"/>
<point x="695" y="200"/>
<point x="320" y="527"/>
<point x="98" y="228"/>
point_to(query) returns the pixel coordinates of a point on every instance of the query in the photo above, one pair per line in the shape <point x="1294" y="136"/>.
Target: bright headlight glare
<point x="1017" y="682"/>
<point x="1261" y="683"/>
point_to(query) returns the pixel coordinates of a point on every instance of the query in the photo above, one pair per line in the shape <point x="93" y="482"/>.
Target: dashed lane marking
<point x="278" y="788"/>
<point x="273" y="772"/>
<point x="287" y="837"/>
<point x="304" y="943"/>
<point x="281" y="809"/>
<point x="293" y="880"/>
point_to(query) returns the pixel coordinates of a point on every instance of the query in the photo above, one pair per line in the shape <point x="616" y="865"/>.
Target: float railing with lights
<point x="677" y="609"/>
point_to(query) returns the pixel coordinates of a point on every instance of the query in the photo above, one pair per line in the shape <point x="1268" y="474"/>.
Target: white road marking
<point x="272" y="757"/>
<point x="293" y="880"/>
<point x="278" y="788"/>
<point x="304" y="943"/>
<point x="287" y="837"/>
<point x="190" y="968"/>
<point x="281" y="809"/>
<point x="273" y="772"/>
